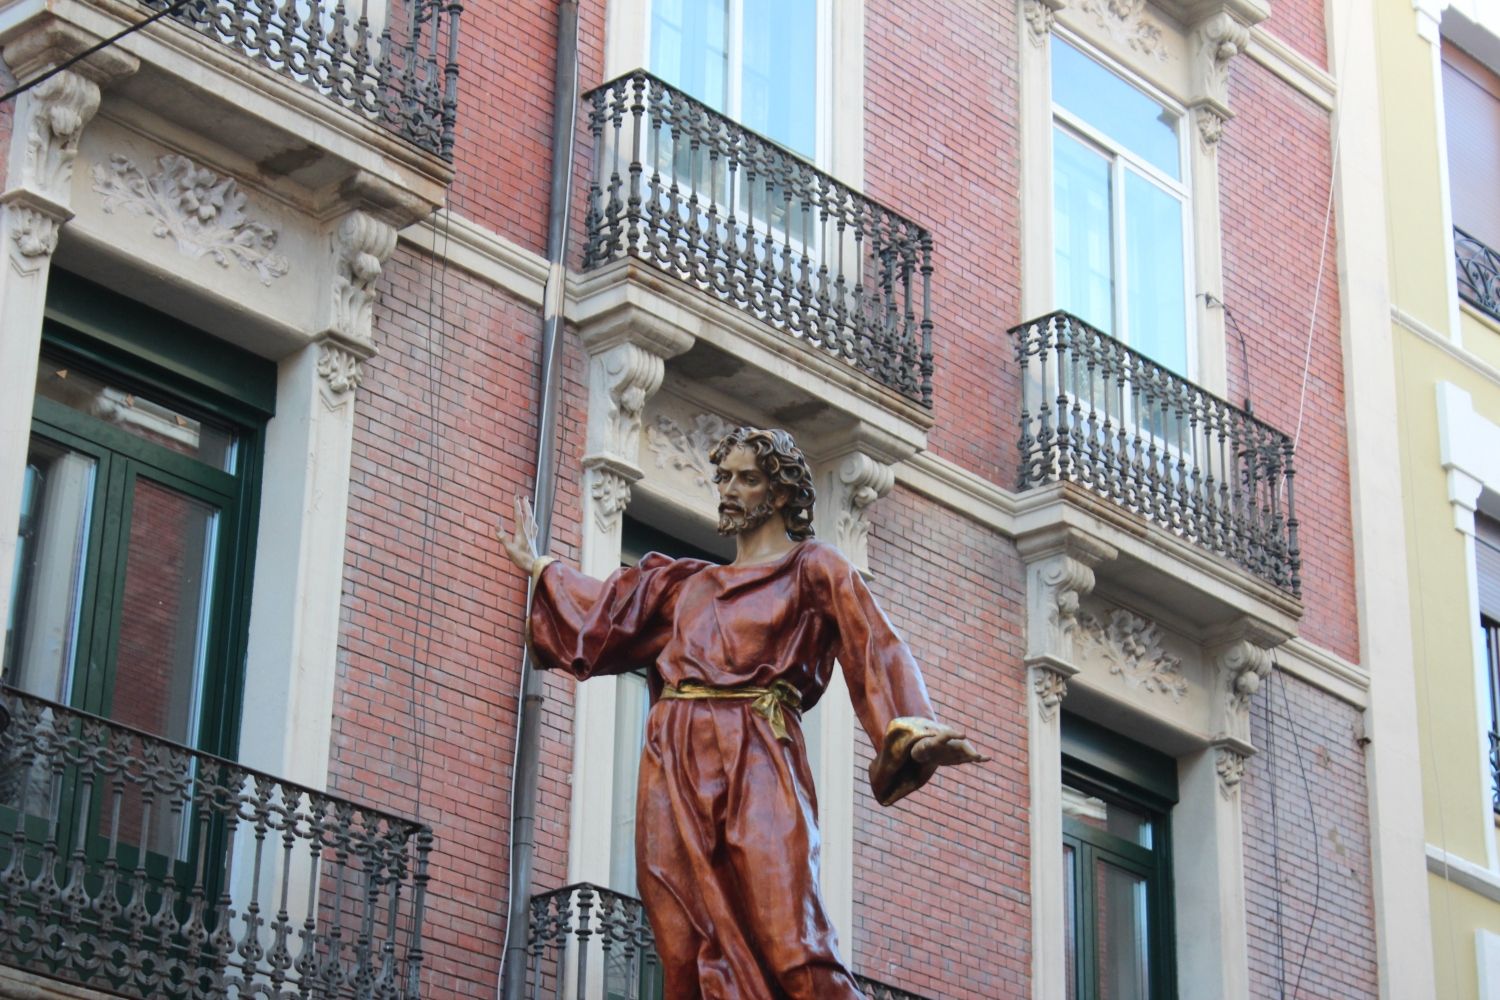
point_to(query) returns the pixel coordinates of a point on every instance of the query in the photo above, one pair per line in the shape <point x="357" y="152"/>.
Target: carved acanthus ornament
<point x="34" y="232"/>
<point x="1066" y="581"/>
<point x="1216" y="41"/>
<point x="1243" y="665"/>
<point x="685" y="449"/>
<point x="1051" y="687"/>
<point x="609" y="489"/>
<point x="1131" y="23"/>
<point x="857" y="481"/>
<point x="1230" y="765"/>
<point x="202" y="212"/>
<point x="340" y="368"/>
<point x="55" y="112"/>
<point x="621" y="378"/>
<point x="361" y="246"/>
<point x="1040" y="16"/>
<point x="1132" y="646"/>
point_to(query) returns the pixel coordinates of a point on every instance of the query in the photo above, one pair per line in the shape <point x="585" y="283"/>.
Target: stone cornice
<point x="1292" y="67"/>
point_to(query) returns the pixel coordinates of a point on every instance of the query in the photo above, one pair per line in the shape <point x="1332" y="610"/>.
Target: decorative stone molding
<point x="1050" y="682"/>
<point x="201" y="211"/>
<point x="1230" y="765"/>
<point x="621" y="379"/>
<point x="685" y="449"/>
<point x="1040" y="16"/>
<point x="609" y="489"/>
<point x="1132" y="646"/>
<point x="856" y="481"/>
<point x="1243" y="665"/>
<point x="1216" y="41"/>
<point x="1059" y="572"/>
<point x="340" y="368"/>
<point x="361" y="246"/>
<point x="1130" y="22"/>
<point x="1210" y="127"/>
<point x="56" y="113"/>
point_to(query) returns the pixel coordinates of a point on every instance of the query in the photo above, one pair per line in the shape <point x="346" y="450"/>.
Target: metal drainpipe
<point x="528" y="727"/>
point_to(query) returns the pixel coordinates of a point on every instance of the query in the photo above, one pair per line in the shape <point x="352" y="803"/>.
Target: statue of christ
<point x="727" y="833"/>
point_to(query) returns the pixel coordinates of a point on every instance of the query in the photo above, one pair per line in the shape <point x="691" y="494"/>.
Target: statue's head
<point x="784" y="475"/>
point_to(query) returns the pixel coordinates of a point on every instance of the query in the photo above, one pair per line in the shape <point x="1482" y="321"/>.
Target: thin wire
<point x="15" y="92"/>
<point x="1280" y="679"/>
<point x="1276" y="849"/>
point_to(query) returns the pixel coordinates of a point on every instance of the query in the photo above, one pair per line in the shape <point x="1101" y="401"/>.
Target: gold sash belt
<point x="767" y="702"/>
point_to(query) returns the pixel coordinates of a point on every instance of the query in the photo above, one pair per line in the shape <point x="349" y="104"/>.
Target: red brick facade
<point x="445" y="436"/>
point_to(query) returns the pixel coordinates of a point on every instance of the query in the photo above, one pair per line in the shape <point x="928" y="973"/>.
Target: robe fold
<point x="727" y="844"/>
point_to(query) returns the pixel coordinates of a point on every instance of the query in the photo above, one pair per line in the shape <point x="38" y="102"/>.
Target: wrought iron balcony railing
<point x="1478" y="273"/>
<point x="1097" y="413"/>
<point x="581" y="932"/>
<point x="146" y="869"/>
<point x="397" y="66"/>
<point x="679" y="185"/>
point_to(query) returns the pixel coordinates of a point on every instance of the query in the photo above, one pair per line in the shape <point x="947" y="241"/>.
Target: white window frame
<point x="1120" y="157"/>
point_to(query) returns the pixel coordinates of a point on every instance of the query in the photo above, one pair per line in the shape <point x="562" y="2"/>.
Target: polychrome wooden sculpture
<point x="726" y="834"/>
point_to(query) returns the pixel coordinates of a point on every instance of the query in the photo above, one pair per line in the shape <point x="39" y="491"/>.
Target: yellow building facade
<point x="1439" y="71"/>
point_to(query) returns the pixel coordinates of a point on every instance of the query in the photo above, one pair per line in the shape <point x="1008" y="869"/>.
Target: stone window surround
<point x="296" y="600"/>
<point x="1190" y="67"/>
<point x="1469" y="449"/>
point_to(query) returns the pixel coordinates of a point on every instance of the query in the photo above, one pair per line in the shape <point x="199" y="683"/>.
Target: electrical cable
<point x="1276" y="849"/>
<point x="171" y="8"/>
<point x="1210" y="299"/>
<point x="1280" y="681"/>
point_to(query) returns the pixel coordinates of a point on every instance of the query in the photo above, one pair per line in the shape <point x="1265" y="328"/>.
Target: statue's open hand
<point x="945" y="745"/>
<point x="520" y="545"/>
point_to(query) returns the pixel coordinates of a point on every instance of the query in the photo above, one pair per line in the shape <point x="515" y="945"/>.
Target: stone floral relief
<point x="1132" y="647"/>
<point x="1128" y="21"/>
<point x="201" y="211"/>
<point x="684" y="450"/>
<point x="611" y="495"/>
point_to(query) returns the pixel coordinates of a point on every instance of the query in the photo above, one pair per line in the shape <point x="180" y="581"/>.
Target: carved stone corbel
<point x="608" y="481"/>
<point x="855" y="480"/>
<point x="340" y="368"/>
<point x="1241" y="658"/>
<point x="1059" y="572"/>
<point x="51" y="116"/>
<point x="1216" y="41"/>
<point x="621" y="379"/>
<point x="1049" y="681"/>
<point x="360" y="245"/>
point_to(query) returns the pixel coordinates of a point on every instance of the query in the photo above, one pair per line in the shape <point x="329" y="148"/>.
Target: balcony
<point x="145" y="869"/>
<point x="582" y="933"/>
<point x="1478" y="273"/>
<point x="684" y="189"/>
<point x="1098" y="414"/>
<point x="403" y="75"/>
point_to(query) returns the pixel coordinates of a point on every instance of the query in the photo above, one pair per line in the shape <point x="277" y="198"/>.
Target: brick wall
<point x="1300" y="23"/>
<point x="1311" y="761"/>
<point x="1274" y="170"/>
<point x="431" y="655"/>
<point x="942" y="878"/>
<point x="954" y="168"/>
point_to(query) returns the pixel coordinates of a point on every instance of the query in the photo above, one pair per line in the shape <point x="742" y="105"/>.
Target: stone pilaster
<point x="47" y="127"/>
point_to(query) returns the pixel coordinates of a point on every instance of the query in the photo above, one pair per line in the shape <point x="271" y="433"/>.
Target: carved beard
<point x="733" y="521"/>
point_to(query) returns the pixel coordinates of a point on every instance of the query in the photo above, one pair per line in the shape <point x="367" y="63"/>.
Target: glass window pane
<point x="632" y="700"/>
<point x="1154" y="261"/>
<point x="779" y="57"/>
<point x="1121" y="939"/>
<point x="1083" y="251"/>
<point x="1114" y="107"/>
<point x="1121" y="821"/>
<point x="690" y="47"/>
<point x="51" y="564"/>
<point x="149" y="419"/>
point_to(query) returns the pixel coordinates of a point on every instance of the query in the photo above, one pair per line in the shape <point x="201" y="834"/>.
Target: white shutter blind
<point x="1487" y="549"/>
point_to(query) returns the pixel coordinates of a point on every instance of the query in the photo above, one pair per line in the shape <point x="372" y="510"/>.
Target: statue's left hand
<point x="945" y="745"/>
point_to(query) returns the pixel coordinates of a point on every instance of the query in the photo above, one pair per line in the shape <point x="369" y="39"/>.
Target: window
<point x="1116" y="866"/>
<point x="1120" y="209"/>
<point x="130" y="589"/>
<point x="754" y="60"/>
<point x="1487" y="565"/>
<point x="1471" y="112"/>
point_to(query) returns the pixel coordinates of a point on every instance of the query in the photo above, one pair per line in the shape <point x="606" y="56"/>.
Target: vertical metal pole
<point x="528" y="729"/>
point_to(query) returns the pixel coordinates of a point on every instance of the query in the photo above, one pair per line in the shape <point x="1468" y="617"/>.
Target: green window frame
<point x="129" y="346"/>
<point x="1139" y="785"/>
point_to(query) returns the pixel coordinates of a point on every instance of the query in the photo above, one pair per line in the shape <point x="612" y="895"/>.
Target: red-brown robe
<point x="726" y="833"/>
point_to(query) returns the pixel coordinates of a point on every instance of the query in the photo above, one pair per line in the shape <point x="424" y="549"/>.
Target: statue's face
<point x="746" y="500"/>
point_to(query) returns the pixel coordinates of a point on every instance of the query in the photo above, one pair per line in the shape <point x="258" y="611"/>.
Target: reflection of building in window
<point x="1119" y="189"/>
<point x="1116" y="863"/>
<point x="1487" y="564"/>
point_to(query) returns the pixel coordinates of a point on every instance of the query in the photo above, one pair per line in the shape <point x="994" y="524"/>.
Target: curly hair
<point x="781" y="460"/>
